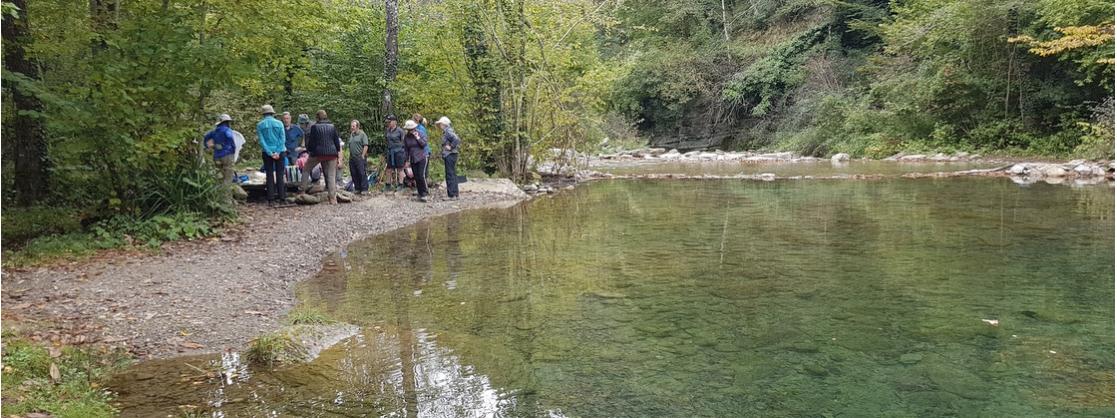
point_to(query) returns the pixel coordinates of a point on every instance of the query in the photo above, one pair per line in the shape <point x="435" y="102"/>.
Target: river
<point x="636" y="298"/>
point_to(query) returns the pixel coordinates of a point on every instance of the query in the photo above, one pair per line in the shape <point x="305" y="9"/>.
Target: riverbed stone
<point x="911" y="358"/>
<point x="1019" y="169"/>
<point x="913" y="157"/>
<point x="840" y="157"/>
<point x="953" y="379"/>
<point x="816" y="369"/>
<point x="805" y="347"/>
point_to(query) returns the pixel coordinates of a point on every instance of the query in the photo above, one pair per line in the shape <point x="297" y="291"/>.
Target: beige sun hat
<point x="267" y="109"/>
<point x="445" y="121"/>
<point x="410" y="124"/>
<point x="224" y="117"/>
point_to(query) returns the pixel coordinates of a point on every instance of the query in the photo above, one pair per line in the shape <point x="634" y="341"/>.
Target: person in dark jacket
<point x="358" y="157"/>
<point x="451" y="144"/>
<point x="394" y="155"/>
<point x="422" y="128"/>
<point x="324" y="145"/>
<point x="416" y="156"/>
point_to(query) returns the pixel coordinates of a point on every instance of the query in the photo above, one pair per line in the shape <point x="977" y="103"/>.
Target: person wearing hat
<point x="273" y="142"/>
<point x="451" y="144"/>
<point x="416" y="156"/>
<point x="304" y="124"/>
<point x="395" y="155"/>
<point x="324" y="145"/>
<point x="422" y="128"/>
<point x="224" y="146"/>
<point x="294" y="135"/>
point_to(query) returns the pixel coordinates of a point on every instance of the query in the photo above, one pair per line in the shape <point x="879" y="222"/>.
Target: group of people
<point x="317" y="147"/>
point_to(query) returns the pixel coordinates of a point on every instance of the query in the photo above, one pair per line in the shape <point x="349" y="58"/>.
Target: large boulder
<point x="1052" y="170"/>
<point x="497" y="186"/>
<point x="840" y="157"/>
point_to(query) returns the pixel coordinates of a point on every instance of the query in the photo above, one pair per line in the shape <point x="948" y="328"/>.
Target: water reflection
<point x="385" y="371"/>
<point x="721" y="298"/>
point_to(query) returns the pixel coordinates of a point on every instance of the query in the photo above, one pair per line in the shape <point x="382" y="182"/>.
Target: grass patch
<point x="116" y="232"/>
<point x="268" y="349"/>
<point x="308" y="316"/>
<point x="74" y="391"/>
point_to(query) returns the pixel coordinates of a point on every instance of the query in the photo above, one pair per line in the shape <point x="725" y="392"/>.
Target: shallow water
<point x="821" y="168"/>
<point x="708" y="298"/>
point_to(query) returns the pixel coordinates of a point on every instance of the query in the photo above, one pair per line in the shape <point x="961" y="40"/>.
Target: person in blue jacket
<point x="273" y="141"/>
<point x="294" y="137"/>
<point x="224" y="147"/>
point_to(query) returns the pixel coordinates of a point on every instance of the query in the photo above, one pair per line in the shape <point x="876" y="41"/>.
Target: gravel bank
<point x="209" y="295"/>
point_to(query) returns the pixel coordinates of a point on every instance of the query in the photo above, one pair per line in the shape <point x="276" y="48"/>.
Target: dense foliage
<point x="106" y="101"/>
<point x="873" y="77"/>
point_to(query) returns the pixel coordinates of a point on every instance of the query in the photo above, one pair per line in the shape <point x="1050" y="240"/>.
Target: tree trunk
<point x="487" y="91"/>
<point x="391" y="53"/>
<point x="31" y="163"/>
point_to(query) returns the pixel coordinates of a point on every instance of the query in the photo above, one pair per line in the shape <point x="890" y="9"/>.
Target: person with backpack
<point x="417" y="157"/>
<point x="324" y="145"/>
<point x="273" y="141"/>
<point x="451" y="145"/>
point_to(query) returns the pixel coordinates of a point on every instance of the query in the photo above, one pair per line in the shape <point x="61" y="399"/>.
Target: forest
<point x="105" y="102"/>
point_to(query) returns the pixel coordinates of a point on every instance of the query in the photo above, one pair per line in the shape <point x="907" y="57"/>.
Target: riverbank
<point x="660" y="163"/>
<point x="209" y="295"/>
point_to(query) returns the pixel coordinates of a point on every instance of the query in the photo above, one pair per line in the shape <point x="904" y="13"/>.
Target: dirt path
<point x="205" y="296"/>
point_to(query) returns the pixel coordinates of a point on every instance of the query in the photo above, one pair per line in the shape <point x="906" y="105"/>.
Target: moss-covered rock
<point x="297" y="343"/>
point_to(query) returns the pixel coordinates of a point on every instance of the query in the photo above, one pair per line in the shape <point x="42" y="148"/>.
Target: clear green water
<point x="823" y="168"/>
<point x="709" y="298"/>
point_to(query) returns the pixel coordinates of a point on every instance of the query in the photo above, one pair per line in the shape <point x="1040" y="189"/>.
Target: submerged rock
<point x="911" y="358"/>
<point x="298" y="343"/>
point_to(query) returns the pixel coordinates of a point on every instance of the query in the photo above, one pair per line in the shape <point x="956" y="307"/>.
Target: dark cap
<point x="390" y="117"/>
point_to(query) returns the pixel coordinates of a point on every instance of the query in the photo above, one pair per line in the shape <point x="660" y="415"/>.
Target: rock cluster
<point x="538" y="189"/>
<point x="938" y="157"/>
<point x="1076" y="170"/>
<point x="663" y="154"/>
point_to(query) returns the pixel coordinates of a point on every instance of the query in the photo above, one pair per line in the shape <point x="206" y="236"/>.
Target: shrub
<point x="308" y="316"/>
<point x="21" y="225"/>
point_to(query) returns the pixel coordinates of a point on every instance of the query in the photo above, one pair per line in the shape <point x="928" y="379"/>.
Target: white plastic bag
<point x="238" y="140"/>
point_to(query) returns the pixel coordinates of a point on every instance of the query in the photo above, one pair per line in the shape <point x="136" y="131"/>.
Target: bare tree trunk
<point x="203" y="86"/>
<point x="391" y="53"/>
<point x="31" y="163"/>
